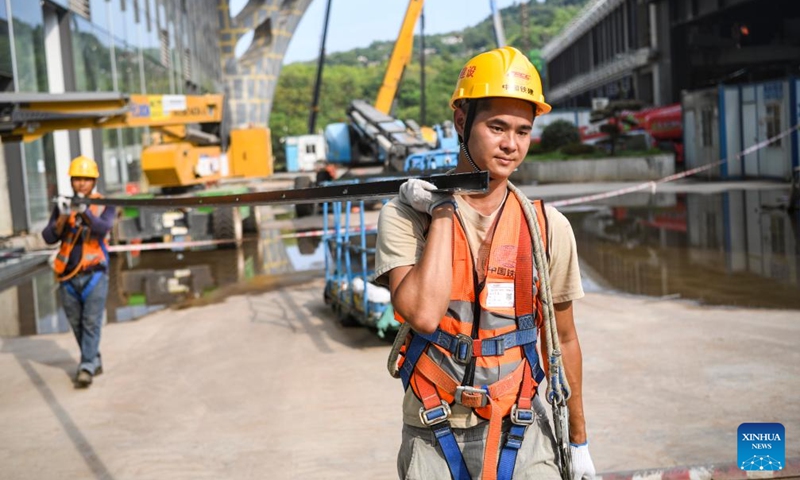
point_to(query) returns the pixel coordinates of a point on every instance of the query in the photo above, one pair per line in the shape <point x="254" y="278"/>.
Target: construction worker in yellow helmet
<point x="81" y="263"/>
<point x="480" y="279"/>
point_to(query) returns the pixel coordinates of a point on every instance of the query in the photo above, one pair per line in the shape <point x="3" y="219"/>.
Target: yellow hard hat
<point x="83" y="167"/>
<point x="502" y="72"/>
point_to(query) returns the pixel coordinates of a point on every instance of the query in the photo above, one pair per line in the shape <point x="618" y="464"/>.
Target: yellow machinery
<point x="401" y="56"/>
<point x="185" y="151"/>
<point x="246" y="160"/>
<point x="182" y="154"/>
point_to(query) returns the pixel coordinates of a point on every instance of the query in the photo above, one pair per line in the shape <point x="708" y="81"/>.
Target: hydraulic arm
<point x="28" y="116"/>
<point x="185" y="147"/>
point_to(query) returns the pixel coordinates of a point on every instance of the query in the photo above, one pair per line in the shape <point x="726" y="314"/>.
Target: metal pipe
<point x="312" y="115"/>
<point x="422" y="107"/>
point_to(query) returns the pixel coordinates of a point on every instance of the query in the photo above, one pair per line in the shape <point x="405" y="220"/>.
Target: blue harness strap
<point x="71" y="290"/>
<point x="508" y="455"/>
<point x="104" y="248"/>
<point x="526" y="322"/>
<point x="489" y="346"/>
<point x="415" y="349"/>
<point x="452" y="454"/>
<point x="442" y="431"/>
<point x="87" y="289"/>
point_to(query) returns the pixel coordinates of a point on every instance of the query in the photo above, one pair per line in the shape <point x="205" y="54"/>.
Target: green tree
<point x="559" y="134"/>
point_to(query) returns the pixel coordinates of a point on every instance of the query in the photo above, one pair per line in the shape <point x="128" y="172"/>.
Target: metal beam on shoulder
<point x="457" y="183"/>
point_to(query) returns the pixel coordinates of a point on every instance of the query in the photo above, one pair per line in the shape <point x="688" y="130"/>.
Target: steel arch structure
<point x="250" y="79"/>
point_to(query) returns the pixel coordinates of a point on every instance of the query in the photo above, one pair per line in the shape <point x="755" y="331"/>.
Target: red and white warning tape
<point x="137" y="247"/>
<point x="728" y="471"/>
<point x="653" y="184"/>
<point x="200" y="243"/>
<point x="319" y="233"/>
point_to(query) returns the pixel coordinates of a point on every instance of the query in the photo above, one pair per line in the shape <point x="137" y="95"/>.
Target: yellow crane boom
<point x="401" y="56"/>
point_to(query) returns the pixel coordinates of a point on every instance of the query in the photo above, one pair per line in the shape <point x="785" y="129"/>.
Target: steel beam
<point x="457" y="183"/>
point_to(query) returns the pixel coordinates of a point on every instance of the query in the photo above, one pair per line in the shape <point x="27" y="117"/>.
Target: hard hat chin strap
<point x="471" y="109"/>
<point x="469" y="157"/>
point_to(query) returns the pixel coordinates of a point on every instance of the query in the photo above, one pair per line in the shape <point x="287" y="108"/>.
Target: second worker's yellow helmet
<point x="83" y="166"/>
<point x="502" y="72"/>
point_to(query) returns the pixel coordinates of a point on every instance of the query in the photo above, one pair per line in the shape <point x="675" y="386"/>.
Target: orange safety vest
<point x="94" y="252"/>
<point x="483" y="355"/>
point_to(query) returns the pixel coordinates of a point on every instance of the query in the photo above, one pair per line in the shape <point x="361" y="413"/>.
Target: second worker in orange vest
<point x="81" y="264"/>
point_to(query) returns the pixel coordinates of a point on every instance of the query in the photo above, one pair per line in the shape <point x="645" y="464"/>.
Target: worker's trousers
<point x="421" y="459"/>
<point x="85" y="315"/>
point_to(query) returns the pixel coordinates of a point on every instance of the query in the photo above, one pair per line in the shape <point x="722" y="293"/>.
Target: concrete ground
<point x="267" y="385"/>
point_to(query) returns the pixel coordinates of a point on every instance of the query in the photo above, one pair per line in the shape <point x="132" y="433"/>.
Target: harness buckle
<point x="522" y="416"/>
<point x="435" y="415"/>
<point x="463" y="349"/>
<point x="471" y="397"/>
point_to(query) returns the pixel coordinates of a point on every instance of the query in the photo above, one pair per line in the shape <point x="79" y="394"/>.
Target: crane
<point x="401" y="56"/>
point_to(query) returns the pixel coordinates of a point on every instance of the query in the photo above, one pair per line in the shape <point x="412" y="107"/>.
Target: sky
<point x="357" y="23"/>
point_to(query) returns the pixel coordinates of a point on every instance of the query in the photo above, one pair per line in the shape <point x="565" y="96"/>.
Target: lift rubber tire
<point x="226" y="224"/>
<point x="303" y="209"/>
<point x="345" y="318"/>
<point x="252" y="224"/>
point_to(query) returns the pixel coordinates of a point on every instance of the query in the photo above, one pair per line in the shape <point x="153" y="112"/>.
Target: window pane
<point x="35" y="173"/>
<point x="29" y="46"/>
<point x="99" y="9"/>
<point x="6" y="75"/>
<point x="111" y="163"/>
<point x="92" y="56"/>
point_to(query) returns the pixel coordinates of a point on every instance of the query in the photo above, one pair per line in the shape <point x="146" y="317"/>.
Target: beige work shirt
<point x="401" y="239"/>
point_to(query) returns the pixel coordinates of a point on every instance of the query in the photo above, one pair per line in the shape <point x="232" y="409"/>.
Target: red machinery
<point x="663" y="124"/>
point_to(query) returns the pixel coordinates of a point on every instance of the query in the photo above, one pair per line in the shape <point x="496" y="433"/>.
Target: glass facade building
<point x="129" y="46"/>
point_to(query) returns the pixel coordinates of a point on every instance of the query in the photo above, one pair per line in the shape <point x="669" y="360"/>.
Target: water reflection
<point x="147" y="281"/>
<point x="308" y="253"/>
<point x="737" y="248"/>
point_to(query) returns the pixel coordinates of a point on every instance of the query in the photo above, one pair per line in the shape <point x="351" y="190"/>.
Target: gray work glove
<point x="79" y="207"/>
<point x="421" y="195"/>
<point x="582" y="465"/>
<point x="64" y="205"/>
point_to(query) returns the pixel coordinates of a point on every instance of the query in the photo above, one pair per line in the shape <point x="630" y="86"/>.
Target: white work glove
<point x="64" y="206"/>
<point x="79" y="207"/>
<point x="582" y="466"/>
<point x="420" y="195"/>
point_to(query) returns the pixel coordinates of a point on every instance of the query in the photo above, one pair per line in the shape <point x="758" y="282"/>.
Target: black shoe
<point x="83" y="379"/>
<point x="98" y="370"/>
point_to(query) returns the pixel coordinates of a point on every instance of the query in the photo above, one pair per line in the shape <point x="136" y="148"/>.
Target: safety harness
<point x="94" y="255"/>
<point x="437" y="389"/>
